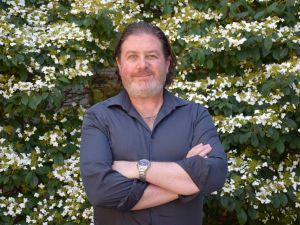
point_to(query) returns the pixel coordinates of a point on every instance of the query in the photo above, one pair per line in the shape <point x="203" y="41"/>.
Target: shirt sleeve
<point x="104" y="187"/>
<point x="209" y="174"/>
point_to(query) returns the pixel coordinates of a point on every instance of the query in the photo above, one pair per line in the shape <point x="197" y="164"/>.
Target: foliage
<point x="240" y="59"/>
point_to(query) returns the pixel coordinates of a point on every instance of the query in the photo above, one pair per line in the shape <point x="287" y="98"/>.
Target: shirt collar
<point x="122" y="99"/>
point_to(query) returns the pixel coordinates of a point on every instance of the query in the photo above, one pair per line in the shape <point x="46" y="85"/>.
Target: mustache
<point x="142" y="73"/>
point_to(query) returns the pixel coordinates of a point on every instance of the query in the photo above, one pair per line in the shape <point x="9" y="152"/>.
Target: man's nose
<point x="143" y="63"/>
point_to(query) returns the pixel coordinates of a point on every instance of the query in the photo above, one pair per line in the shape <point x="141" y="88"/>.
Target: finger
<point x="205" y="152"/>
<point x="196" y="150"/>
<point x="202" y="148"/>
<point x="193" y="151"/>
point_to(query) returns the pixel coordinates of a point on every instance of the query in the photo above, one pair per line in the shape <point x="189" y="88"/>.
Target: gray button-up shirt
<point x="113" y="130"/>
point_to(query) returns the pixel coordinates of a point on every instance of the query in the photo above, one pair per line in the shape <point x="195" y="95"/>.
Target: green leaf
<point x="88" y="21"/>
<point x="201" y="56"/>
<point x="242" y="55"/>
<point x="252" y="213"/>
<point x="58" y="158"/>
<point x="283" y="53"/>
<point x="231" y="205"/>
<point x="53" y="185"/>
<point x="64" y="79"/>
<point x="266" y="88"/>
<point x="265" y="52"/>
<point x="259" y="15"/>
<point x="25" y="99"/>
<point x="228" y="203"/>
<point x="32" y="179"/>
<point x="34" y="101"/>
<point x="280" y="146"/>
<point x="275" y="54"/>
<point x="276" y="201"/>
<point x="210" y="64"/>
<point x="272" y="7"/>
<point x="238" y="191"/>
<point x="224" y="202"/>
<point x="268" y="43"/>
<point x="273" y="133"/>
<point x="283" y="200"/>
<point x="23" y="74"/>
<point x="243" y="138"/>
<point x="295" y="143"/>
<point x="20" y="58"/>
<point x="167" y="9"/>
<point x="255" y="54"/>
<point x="45" y="95"/>
<point x="43" y="170"/>
<point x="286" y="91"/>
<point x="242" y="14"/>
<point x="17" y="179"/>
<point x="280" y="53"/>
<point x="254" y="140"/>
<point x="9" y="107"/>
<point x="242" y="216"/>
<point x="5" y="180"/>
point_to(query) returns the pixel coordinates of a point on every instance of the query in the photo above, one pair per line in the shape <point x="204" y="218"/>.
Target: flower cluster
<point x="38" y="35"/>
<point x="72" y="189"/>
<point x="171" y="25"/>
<point x="11" y="160"/>
<point x="13" y="206"/>
<point x="121" y="12"/>
<point x="248" y="172"/>
<point x="266" y="118"/>
<point x="234" y="35"/>
<point x="245" y="90"/>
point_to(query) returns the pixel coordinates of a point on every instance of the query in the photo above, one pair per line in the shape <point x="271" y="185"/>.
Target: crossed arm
<point x="112" y="184"/>
<point x="167" y="180"/>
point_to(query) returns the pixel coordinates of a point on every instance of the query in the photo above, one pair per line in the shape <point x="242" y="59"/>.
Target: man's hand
<point x="199" y="149"/>
<point x="126" y="168"/>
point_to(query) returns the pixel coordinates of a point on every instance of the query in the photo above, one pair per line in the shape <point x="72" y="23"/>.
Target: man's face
<point x="142" y="65"/>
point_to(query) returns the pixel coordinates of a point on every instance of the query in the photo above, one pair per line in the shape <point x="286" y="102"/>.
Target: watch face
<point x="143" y="163"/>
<point x="143" y="166"/>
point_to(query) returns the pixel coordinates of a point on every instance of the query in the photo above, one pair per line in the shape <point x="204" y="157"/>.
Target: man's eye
<point x="132" y="57"/>
<point x="152" y="56"/>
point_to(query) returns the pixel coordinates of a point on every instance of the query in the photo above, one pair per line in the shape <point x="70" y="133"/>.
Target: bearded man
<point x="148" y="157"/>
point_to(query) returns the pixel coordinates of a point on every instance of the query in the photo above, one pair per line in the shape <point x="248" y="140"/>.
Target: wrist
<point x="135" y="171"/>
<point x="142" y="167"/>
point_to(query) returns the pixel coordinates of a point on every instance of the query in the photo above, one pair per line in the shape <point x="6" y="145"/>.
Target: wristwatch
<point x="143" y="165"/>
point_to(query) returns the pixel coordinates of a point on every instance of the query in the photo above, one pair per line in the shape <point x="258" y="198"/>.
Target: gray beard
<point x="144" y="91"/>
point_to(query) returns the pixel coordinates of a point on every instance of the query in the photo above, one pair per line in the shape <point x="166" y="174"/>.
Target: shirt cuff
<point x="187" y="198"/>
<point x="134" y="195"/>
<point x="197" y="168"/>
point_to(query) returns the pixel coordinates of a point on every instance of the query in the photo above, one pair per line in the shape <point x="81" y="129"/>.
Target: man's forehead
<point x="131" y="51"/>
<point x="145" y="42"/>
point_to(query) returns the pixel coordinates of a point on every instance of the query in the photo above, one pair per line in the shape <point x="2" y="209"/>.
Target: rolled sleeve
<point x="209" y="174"/>
<point x="104" y="187"/>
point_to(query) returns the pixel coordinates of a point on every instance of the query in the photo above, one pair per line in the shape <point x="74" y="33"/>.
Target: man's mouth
<point x="143" y="75"/>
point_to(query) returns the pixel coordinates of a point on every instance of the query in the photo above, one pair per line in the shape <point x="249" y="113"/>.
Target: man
<point x="148" y="157"/>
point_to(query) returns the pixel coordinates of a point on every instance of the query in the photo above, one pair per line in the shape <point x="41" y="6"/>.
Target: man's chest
<point x="169" y="140"/>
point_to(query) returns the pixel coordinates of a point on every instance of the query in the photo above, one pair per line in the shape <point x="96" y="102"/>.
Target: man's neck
<point x="147" y="107"/>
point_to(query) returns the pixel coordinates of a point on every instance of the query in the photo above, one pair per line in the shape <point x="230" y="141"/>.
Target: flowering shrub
<point x="240" y="59"/>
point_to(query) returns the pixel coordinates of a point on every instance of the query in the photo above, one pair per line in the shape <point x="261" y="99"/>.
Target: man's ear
<point x="118" y="62"/>
<point x="168" y="63"/>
